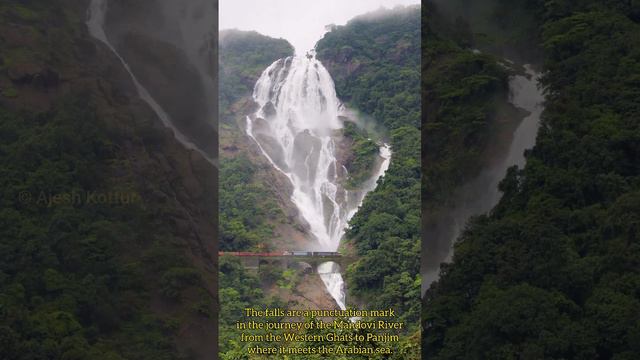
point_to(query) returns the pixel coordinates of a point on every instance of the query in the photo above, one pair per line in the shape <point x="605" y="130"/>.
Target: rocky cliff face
<point x="47" y="56"/>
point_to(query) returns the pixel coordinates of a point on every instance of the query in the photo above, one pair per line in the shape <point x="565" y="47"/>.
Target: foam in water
<point x="295" y="129"/>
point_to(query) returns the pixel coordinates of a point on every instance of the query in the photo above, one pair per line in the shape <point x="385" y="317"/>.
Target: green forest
<point x="66" y="290"/>
<point x="461" y="94"/>
<point x="240" y="288"/>
<point x="82" y="275"/>
<point x="552" y="272"/>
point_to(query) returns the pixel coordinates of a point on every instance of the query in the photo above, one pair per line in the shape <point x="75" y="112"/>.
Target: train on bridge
<point x="282" y="253"/>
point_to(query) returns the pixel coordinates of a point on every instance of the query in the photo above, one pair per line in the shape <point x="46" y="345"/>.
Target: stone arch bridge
<point x="290" y="259"/>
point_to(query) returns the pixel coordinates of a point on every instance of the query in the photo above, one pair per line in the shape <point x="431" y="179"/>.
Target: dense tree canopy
<point x="66" y="285"/>
<point x="245" y="208"/>
<point x="89" y="234"/>
<point x="553" y="271"/>
<point x="461" y="91"/>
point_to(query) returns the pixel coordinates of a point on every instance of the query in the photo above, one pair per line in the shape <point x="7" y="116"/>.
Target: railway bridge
<point x="290" y="259"/>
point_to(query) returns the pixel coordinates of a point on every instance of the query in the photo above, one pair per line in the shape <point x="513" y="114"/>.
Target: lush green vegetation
<point x="375" y="63"/>
<point x="67" y="289"/>
<point x="240" y="289"/>
<point x="462" y="91"/>
<point x="88" y="256"/>
<point x="382" y="50"/>
<point x="245" y="208"/>
<point x="364" y="153"/>
<point x="553" y="271"/>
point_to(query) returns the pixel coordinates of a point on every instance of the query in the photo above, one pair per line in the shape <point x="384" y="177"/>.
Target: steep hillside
<point x="552" y="271"/>
<point x="464" y="96"/>
<point x="506" y="28"/>
<point x="469" y="124"/>
<point x="375" y="62"/>
<point x="108" y="224"/>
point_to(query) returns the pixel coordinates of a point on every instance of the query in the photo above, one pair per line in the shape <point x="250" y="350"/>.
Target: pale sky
<point x="301" y="22"/>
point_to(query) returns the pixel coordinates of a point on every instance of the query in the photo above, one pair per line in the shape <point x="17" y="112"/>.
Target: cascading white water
<point x="332" y="278"/>
<point x="295" y="128"/>
<point x="95" y="23"/>
<point x="330" y="271"/>
<point x="298" y="114"/>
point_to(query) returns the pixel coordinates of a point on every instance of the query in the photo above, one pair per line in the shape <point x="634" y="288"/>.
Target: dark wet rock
<point x="260" y="125"/>
<point x="268" y="109"/>
<point x="23" y="72"/>
<point x="46" y="79"/>
<point x="273" y="149"/>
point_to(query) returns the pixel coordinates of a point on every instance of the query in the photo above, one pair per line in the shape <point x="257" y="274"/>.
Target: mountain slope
<point x="108" y="224"/>
<point x="552" y="271"/>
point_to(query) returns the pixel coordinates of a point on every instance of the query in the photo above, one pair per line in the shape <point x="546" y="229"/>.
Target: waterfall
<point x="330" y="274"/>
<point x="296" y="129"/>
<point x="95" y="23"/>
